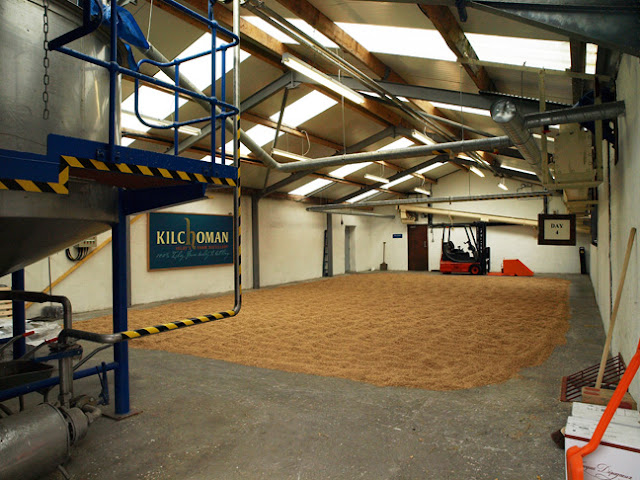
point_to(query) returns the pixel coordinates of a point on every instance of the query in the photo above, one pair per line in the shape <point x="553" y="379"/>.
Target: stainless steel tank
<point x="78" y="91"/>
<point x="35" y="225"/>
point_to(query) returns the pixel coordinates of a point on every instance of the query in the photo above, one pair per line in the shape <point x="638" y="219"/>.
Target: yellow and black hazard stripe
<point x="60" y="187"/>
<point x="165" y="327"/>
<point x="76" y="162"/>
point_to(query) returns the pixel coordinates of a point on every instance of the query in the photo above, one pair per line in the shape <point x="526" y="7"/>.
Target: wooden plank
<point x="601" y="396"/>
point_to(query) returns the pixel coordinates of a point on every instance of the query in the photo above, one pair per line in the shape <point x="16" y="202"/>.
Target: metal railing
<point x="219" y="110"/>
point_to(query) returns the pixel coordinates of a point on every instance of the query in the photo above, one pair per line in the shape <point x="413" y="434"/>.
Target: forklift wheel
<point x="474" y="269"/>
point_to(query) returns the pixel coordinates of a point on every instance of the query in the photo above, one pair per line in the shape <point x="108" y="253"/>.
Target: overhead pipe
<point x="422" y="199"/>
<point x="590" y="113"/>
<point x="355" y="213"/>
<point x="505" y="113"/>
<point x="400" y="153"/>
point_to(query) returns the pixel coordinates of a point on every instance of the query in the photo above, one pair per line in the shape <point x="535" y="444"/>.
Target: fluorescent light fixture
<point x="476" y="170"/>
<point x="375" y="178"/>
<point x="503" y="186"/>
<point x="421" y="137"/>
<point x="430" y="167"/>
<point x="284" y="153"/>
<point x="458" y="108"/>
<point x="310" y="187"/>
<point x="314" y="74"/>
<point x="349" y="169"/>
<point x="422" y="191"/>
<point x="362" y="196"/>
<point x="515" y="169"/>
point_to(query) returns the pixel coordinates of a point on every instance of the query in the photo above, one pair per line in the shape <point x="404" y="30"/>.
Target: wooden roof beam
<point x="446" y="23"/>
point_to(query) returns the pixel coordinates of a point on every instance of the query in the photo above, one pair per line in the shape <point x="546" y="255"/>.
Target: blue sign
<point x="397" y="235"/>
<point x="181" y="240"/>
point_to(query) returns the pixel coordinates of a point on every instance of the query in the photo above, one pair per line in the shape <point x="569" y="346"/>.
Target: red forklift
<point x="475" y="260"/>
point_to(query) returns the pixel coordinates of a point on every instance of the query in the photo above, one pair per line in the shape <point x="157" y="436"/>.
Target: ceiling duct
<point x="586" y="114"/>
<point x="505" y="113"/>
<point x="428" y="200"/>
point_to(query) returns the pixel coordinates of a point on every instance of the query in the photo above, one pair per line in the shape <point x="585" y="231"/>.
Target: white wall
<point x="508" y="242"/>
<point x="623" y="204"/>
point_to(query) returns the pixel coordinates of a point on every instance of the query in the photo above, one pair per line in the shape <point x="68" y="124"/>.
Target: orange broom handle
<point x="575" y="455"/>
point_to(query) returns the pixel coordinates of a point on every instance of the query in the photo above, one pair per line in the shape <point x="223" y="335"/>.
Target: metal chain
<point x="45" y="60"/>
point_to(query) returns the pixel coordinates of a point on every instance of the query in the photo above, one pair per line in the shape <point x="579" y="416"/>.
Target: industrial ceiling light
<point x="314" y="74"/>
<point x="502" y="185"/>
<point x="293" y="156"/>
<point x="375" y="178"/>
<point x="422" y="191"/>
<point x="476" y="170"/>
<point x="421" y="137"/>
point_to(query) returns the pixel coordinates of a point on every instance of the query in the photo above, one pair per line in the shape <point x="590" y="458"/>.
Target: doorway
<point x="349" y="249"/>
<point x="418" y="247"/>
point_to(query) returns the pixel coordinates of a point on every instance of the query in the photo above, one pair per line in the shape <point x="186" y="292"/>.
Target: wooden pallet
<point x="6" y="309"/>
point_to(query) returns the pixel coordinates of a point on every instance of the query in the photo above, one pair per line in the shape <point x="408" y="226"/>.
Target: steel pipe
<point x="419" y="151"/>
<point x="505" y="113"/>
<point x="65" y="363"/>
<point x="589" y="113"/>
<point x="421" y="200"/>
<point x="355" y="214"/>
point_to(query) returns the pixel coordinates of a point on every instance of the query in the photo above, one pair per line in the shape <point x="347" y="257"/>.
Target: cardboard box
<point x="617" y="457"/>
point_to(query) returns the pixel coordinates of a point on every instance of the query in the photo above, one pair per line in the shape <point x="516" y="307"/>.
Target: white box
<point x="623" y="416"/>
<point x="617" y="457"/>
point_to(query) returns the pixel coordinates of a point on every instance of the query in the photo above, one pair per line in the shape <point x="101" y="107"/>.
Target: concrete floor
<point x="205" y="419"/>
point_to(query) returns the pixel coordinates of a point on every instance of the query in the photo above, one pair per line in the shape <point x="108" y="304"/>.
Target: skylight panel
<point x="269" y="29"/>
<point x="157" y="104"/>
<point x="430" y="167"/>
<point x="411" y="42"/>
<point x="458" y="108"/>
<point x="397" y="181"/>
<point x="349" y="169"/>
<point x="126" y="141"/>
<point x="400" y="143"/>
<point x="592" y="56"/>
<point x="307" y="107"/>
<point x="310" y="187"/>
<point x="259" y="134"/>
<point x="152" y="103"/>
<point x="198" y="70"/>
<point x="312" y="32"/>
<point x="552" y="54"/>
<point x="362" y="196"/>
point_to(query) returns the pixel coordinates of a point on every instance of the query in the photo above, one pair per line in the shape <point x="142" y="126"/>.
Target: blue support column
<point x="19" y="316"/>
<point x="120" y="302"/>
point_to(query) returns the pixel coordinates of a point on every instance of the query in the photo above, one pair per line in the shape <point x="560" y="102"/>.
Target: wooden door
<point x="418" y="247"/>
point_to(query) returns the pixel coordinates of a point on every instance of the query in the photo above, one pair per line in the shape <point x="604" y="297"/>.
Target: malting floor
<point x="205" y="419"/>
